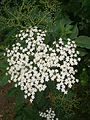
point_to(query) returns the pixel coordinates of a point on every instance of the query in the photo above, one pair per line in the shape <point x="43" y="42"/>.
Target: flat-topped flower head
<point x="32" y="63"/>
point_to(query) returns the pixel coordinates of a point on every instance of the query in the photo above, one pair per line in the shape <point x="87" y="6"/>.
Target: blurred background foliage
<point x="61" y="18"/>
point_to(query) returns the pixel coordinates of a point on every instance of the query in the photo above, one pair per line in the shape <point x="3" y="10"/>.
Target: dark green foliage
<point x="61" y="18"/>
<point x="83" y="41"/>
<point x="4" y="80"/>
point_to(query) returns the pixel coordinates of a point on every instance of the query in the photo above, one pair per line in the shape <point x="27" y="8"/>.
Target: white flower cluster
<point x="32" y="63"/>
<point x="48" y="114"/>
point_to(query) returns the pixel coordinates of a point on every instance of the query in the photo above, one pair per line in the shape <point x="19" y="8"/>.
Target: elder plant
<point x="32" y="63"/>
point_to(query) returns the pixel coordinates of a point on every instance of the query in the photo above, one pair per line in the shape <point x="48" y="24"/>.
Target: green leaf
<point x="83" y="41"/>
<point x="3" y="64"/>
<point x="62" y="27"/>
<point x="18" y="108"/>
<point x="1" y="54"/>
<point x="74" y="32"/>
<point x="31" y="113"/>
<point x="82" y="52"/>
<point x="38" y="98"/>
<point x="28" y="112"/>
<point x="4" y="80"/>
<point x="19" y="97"/>
<point x="12" y="91"/>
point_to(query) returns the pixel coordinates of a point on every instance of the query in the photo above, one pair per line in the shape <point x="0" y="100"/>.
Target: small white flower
<point x="77" y="80"/>
<point x="25" y="96"/>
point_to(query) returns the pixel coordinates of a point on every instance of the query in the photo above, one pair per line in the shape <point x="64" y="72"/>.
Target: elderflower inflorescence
<point x="32" y="63"/>
<point x="48" y="114"/>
